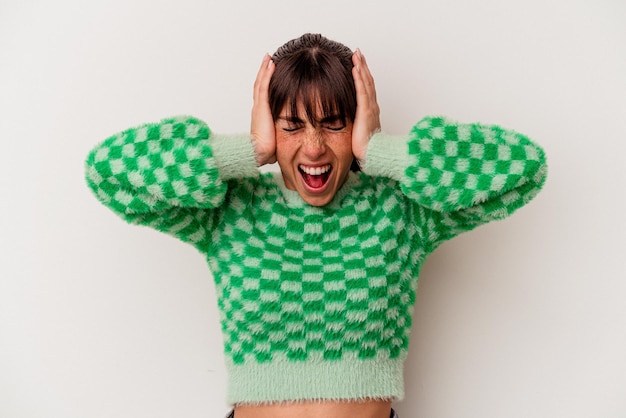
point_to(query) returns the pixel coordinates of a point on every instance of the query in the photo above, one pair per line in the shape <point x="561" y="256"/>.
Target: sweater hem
<point x="288" y="382"/>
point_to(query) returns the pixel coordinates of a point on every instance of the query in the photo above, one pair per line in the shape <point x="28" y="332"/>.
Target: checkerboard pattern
<point x="308" y="283"/>
<point x="159" y="175"/>
<point x="308" y="290"/>
<point x="469" y="174"/>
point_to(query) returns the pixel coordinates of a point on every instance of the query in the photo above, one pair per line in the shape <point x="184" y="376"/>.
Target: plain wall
<point x="520" y="318"/>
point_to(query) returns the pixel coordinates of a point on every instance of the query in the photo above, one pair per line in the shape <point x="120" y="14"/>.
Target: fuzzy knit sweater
<point x="315" y="303"/>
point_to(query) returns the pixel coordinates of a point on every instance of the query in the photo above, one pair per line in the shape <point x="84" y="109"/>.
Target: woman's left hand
<point x="367" y="120"/>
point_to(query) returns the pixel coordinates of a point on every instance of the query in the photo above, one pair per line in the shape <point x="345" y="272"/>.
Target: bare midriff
<point x="326" y="409"/>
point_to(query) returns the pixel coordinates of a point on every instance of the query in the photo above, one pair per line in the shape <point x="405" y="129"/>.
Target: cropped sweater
<point x="315" y="303"/>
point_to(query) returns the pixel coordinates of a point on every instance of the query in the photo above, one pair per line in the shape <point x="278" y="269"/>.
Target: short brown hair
<point x="315" y="71"/>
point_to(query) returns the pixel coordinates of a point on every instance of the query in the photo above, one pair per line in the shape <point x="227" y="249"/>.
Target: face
<point x="314" y="158"/>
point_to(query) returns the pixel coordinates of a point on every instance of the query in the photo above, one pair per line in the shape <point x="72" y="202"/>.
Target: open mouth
<point x="315" y="177"/>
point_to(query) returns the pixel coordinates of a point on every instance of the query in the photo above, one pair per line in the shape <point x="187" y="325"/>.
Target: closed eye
<point x="290" y="124"/>
<point x="333" y="123"/>
<point x="290" y="128"/>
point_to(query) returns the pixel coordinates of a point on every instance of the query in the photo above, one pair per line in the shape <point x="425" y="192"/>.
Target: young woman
<point x="315" y="267"/>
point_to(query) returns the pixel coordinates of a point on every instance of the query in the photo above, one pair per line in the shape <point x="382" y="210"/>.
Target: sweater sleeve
<point x="460" y="175"/>
<point x="168" y="175"/>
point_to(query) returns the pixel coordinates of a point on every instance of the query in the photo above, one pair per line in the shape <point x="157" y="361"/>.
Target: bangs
<point x="318" y="103"/>
<point x="318" y="81"/>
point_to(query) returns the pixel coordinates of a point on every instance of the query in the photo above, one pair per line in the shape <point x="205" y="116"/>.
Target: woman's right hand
<point x="262" y="126"/>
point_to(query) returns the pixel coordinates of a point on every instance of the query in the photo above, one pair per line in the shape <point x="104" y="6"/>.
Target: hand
<point x="367" y="120"/>
<point x="262" y="125"/>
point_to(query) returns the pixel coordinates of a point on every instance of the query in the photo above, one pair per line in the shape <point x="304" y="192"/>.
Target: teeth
<point x="315" y="171"/>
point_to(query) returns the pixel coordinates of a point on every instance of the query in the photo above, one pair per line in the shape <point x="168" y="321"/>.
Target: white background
<point x="521" y="318"/>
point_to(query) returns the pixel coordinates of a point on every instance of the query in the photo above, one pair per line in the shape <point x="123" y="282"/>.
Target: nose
<point x="314" y="144"/>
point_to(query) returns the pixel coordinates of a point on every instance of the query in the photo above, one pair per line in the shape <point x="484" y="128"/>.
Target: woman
<point x="316" y="266"/>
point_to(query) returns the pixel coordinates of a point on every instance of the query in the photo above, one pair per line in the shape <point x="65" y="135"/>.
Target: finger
<point x="264" y="75"/>
<point x="364" y="75"/>
<point x="364" y="84"/>
<point x="362" y="96"/>
<point x="259" y="74"/>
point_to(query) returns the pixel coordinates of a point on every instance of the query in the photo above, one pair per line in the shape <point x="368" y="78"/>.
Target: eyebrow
<point x="296" y="119"/>
<point x="293" y="119"/>
<point x="330" y="118"/>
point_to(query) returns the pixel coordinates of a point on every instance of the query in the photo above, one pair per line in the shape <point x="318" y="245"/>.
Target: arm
<point x="166" y="175"/>
<point x="460" y="175"/>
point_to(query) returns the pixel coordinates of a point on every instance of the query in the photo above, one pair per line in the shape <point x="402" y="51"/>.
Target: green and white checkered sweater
<point x="316" y="302"/>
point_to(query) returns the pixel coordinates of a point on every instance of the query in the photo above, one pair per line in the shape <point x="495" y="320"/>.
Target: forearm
<point x="459" y="175"/>
<point x="174" y="163"/>
<point x="451" y="166"/>
<point x="466" y="175"/>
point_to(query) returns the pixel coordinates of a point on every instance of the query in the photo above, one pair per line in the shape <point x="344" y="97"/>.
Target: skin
<point x="299" y="145"/>
<point x="302" y="146"/>
<point x="323" y="409"/>
<point x="297" y="142"/>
